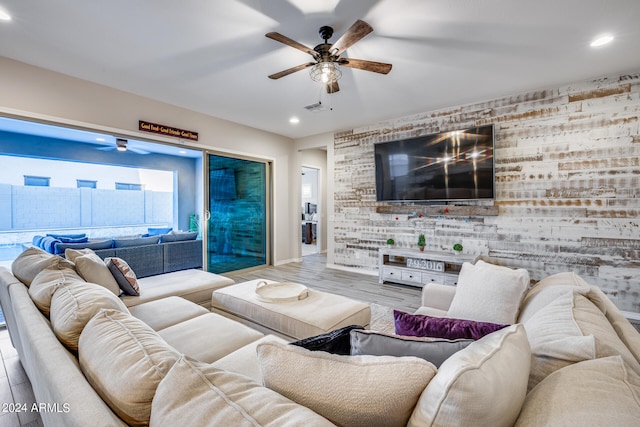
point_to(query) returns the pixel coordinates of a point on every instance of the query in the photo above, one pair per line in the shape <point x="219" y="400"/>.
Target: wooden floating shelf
<point x="440" y="210"/>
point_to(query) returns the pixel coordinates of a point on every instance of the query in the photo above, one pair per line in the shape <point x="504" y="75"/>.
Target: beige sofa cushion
<point x="198" y="395"/>
<point x="489" y="293"/>
<point x="482" y="385"/>
<point x="46" y="282"/>
<point x="74" y="304"/>
<point x="32" y="261"/>
<point x="165" y="312"/>
<point x="193" y="285"/>
<point x="555" y="337"/>
<point x="244" y="360"/>
<point x="209" y="337"/>
<point x="347" y="390"/>
<point x="92" y="269"/>
<point x="600" y="392"/>
<point x="124" y="360"/>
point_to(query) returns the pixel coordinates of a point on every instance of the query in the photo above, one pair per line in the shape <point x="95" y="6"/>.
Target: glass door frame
<point x="268" y="164"/>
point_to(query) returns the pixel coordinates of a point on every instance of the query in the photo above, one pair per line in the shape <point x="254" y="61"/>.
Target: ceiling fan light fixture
<point x="325" y="72"/>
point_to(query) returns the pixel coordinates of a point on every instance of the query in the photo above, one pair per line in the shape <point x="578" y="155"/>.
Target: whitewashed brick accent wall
<point x="567" y="186"/>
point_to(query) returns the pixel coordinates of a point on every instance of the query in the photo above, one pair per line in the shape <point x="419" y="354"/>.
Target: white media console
<point x="415" y="268"/>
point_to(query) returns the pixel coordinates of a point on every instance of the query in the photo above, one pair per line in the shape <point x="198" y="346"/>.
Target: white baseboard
<point x="287" y="261"/>
<point x="353" y="270"/>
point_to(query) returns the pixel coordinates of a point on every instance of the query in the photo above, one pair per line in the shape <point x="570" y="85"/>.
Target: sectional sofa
<point x="568" y="358"/>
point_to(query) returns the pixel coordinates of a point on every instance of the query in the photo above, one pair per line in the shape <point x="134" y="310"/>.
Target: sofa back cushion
<point x="93" y="269"/>
<point x="45" y="284"/>
<point x="74" y="304"/>
<point x="124" y="360"/>
<point x="347" y="390"/>
<point x="207" y="396"/>
<point x="599" y="392"/>
<point x="482" y="385"/>
<point x="32" y="261"/>
<point x="565" y="327"/>
<point x="489" y="293"/>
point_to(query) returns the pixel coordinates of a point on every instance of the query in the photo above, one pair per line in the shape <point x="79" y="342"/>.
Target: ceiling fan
<point x="327" y="56"/>
<point x="123" y="145"/>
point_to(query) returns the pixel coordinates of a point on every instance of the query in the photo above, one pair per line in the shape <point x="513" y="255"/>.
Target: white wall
<point x="65" y="174"/>
<point x="32" y="92"/>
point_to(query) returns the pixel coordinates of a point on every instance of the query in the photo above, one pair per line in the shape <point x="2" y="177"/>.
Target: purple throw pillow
<point x="420" y="325"/>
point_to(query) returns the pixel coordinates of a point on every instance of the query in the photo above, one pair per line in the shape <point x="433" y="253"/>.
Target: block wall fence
<point x="567" y="186"/>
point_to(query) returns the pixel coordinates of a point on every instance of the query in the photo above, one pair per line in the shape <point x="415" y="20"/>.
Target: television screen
<point x="445" y="166"/>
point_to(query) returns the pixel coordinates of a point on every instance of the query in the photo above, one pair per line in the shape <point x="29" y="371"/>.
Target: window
<point x="36" y="181"/>
<point x="85" y="183"/>
<point x="126" y="186"/>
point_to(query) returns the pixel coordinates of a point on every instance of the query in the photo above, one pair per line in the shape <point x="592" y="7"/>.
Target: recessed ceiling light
<point x="100" y="139"/>
<point x="294" y="120"/>
<point x="4" y="16"/>
<point x="182" y="152"/>
<point x="602" y="40"/>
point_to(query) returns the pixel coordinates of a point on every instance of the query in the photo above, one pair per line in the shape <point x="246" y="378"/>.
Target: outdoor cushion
<point x="138" y="241"/>
<point x="178" y="236"/>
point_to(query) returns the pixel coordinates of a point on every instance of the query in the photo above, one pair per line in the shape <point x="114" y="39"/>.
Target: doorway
<point x="238" y="206"/>
<point x="309" y="210"/>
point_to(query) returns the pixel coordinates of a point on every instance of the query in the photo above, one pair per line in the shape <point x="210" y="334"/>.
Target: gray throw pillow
<point x="434" y="350"/>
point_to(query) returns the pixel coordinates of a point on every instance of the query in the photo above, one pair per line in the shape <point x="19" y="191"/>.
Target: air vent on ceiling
<point x="316" y="107"/>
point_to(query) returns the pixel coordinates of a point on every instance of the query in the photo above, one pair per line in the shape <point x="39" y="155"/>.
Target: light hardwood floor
<point x="312" y="272"/>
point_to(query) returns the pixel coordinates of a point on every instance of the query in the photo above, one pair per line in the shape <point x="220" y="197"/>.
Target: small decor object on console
<point x="457" y="248"/>
<point x="422" y="242"/>
<point x="391" y="242"/>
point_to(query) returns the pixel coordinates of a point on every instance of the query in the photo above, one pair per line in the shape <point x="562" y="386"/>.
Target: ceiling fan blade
<point x="291" y="70"/>
<point x="357" y="31"/>
<point x="333" y="87"/>
<point x="361" y="64"/>
<point x="289" y="42"/>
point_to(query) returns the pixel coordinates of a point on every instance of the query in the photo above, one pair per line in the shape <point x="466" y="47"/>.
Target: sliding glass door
<point x="239" y="213"/>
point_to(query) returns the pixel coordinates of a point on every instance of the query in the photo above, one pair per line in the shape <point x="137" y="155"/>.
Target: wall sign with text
<point x="167" y="130"/>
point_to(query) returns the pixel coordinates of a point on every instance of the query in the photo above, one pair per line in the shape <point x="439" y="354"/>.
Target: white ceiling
<point x="212" y="56"/>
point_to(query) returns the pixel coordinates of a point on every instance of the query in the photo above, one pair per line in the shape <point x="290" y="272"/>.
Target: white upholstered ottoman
<point x="318" y="313"/>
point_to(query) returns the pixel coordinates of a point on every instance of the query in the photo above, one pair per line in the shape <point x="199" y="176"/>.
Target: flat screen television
<point x="445" y="166"/>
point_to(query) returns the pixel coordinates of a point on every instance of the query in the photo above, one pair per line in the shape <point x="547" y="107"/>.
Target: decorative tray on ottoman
<point x="280" y="291"/>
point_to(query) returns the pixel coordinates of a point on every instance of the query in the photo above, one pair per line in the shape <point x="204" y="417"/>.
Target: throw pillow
<point x="489" y="293"/>
<point x="124" y="275"/>
<point x="32" y="261"/>
<point x="45" y="284"/>
<point x="484" y="384"/>
<point x="421" y="325"/>
<point x="74" y="304"/>
<point x="93" y="269"/>
<point x="347" y="390"/>
<point x="214" y="397"/>
<point x="124" y="360"/>
<point x="156" y="231"/>
<point x="72" y="254"/>
<point x="599" y="392"/>
<point x="335" y="342"/>
<point x="555" y="337"/>
<point x="434" y="350"/>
